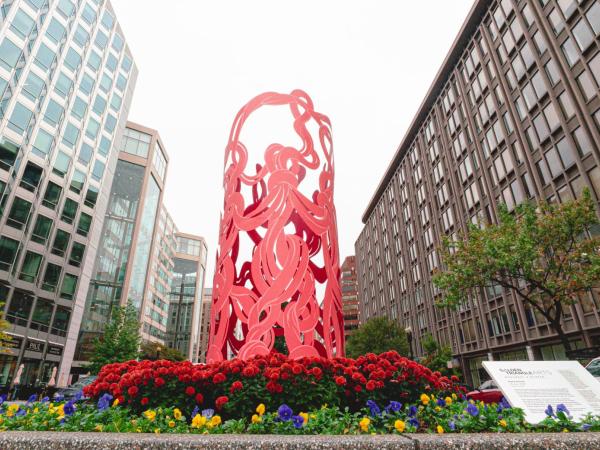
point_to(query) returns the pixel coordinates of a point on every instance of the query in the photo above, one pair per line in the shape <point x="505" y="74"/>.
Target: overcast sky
<point x="366" y="64"/>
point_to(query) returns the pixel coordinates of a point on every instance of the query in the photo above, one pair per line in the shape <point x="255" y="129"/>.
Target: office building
<point x="512" y="115"/>
<point x="185" y="297"/>
<point x="66" y="82"/>
<point x="205" y="323"/>
<point x="349" y="295"/>
<point x="122" y="261"/>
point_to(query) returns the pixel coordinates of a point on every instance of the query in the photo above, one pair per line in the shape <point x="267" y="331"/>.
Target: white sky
<point x="366" y="64"/>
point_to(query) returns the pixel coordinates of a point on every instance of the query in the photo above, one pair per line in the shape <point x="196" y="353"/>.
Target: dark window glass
<point x="19" y="213"/>
<point x="69" y="211"/>
<point x="8" y="154"/>
<point x="40" y="320"/>
<point x="52" y="195"/>
<point x="31" y="177"/>
<point x="51" y="277"/>
<point x="61" y="242"/>
<point x="20" y="308"/>
<point x="41" y="230"/>
<point x="77" y="181"/>
<point x="85" y="223"/>
<point x="8" y="252"/>
<point x="61" y="321"/>
<point x="67" y="290"/>
<point x="30" y="267"/>
<point x="91" y="196"/>
<point x="77" y="251"/>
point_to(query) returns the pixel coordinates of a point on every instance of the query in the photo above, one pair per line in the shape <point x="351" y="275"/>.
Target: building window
<point x="30" y="267"/>
<point x="61" y="321"/>
<point x="61" y="242"/>
<point x="41" y="230"/>
<point x="61" y="164"/>
<point x="69" y="284"/>
<point x="8" y="252"/>
<point x="52" y="195"/>
<point x="19" y="213"/>
<point x="20" y="118"/>
<point x="20" y="308"/>
<point x="91" y="196"/>
<point x="51" y="277"/>
<point x="40" y="320"/>
<point x="77" y="251"/>
<point x="136" y="142"/>
<point x="43" y="144"/>
<point x="9" y="54"/>
<point x="69" y="211"/>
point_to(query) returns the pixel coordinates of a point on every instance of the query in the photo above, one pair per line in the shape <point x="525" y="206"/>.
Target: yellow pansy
<point x="438" y="409"/>
<point x="116" y="402"/>
<point x="565" y="430"/>
<point x="61" y="410"/>
<point x="134" y="422"/>
<point x="138" y="430"/>
<point x="399" y="425"/>
<point x="364" y="424"/>
<point x="198" y="421"/>
<point x="157" y="431"/>
<point x="432" y="397"/>
<point x="313" y="416"/>
<point x="448" y="401"/>
<point x="14" y="407"/>
<point x="260" y="409"/>
<point x="171" y="423"/>
<point x="36" y="410"/>
<point x="177" y="413"/>
<point x="454" y="397"/>
<point x="150" y="415"/>
<point x="10" y="413"/>
<point x="304" y="416"/>
<point x="98" y="427"/>
<point x="440" y="429"/>
<point x="502" y="423"/>
<point x="425" y="399"/>
<point x="256" y="418"/>
<point x="216" y="420"/>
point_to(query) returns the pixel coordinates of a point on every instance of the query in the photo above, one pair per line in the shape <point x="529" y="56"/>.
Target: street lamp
<point x="409" y="336"/>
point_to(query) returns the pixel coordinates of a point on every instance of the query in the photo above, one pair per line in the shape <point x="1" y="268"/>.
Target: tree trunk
<point x="561" y="334"/>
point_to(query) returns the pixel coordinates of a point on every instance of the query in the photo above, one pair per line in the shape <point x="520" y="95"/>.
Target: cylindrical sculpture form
<point x="291" y="285"/>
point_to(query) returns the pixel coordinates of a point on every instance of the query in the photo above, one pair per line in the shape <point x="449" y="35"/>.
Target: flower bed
<point x="235" y="387"/>
<point x="430" y="415"/>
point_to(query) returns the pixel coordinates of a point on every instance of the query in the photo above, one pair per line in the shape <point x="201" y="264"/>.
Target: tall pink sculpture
<point x="290" y="286"/>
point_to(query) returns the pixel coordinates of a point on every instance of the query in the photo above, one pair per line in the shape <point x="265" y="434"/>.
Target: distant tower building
<point x="185" y="299"/>
<point x="205" y="323"/>
<point x="66" y="82"/>
<point x="350" y="296"/>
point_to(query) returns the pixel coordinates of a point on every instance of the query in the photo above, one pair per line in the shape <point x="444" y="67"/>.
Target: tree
<point x="377" y="335"/>
<point x="148" y="350"/>
<point x="5" y="338"/>
<point x="436" y="355"/>
<point x="120" y="341"/>
<point x="544" y="254"/>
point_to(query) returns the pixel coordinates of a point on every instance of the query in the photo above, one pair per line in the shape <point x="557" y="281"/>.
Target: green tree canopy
<point x="543" y="253"/>
<point x="149" y="350"/>
<point x="436" y="355"/>
<point x="377" y="335"/>
<point x="120" y="341"/>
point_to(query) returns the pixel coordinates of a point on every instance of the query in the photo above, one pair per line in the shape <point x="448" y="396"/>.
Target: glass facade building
<point x="66" y="82"/>
<point x="187" y="284"/>
<point x="512" y="115"/>
<point x="350" y="307"/>
<point x="122" y="260"/>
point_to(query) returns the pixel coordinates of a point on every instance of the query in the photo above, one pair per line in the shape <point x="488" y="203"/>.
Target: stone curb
<point x="22" y="440"/>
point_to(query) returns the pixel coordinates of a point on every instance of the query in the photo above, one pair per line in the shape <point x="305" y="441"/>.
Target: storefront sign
<point x="35" y="346"/>
<point x="52" y="350"/>
<point x="533" y="385"/>
<point x="14" y="342"/>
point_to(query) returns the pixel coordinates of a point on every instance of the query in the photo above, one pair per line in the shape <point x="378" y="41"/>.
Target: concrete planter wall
<point x="98" y="441"/>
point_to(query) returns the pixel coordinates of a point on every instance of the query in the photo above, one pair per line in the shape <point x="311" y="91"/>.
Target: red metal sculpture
<point x="291" y="285"/>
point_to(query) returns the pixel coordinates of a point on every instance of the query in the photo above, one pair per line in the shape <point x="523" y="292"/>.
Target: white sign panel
<point x="533" y="385"/>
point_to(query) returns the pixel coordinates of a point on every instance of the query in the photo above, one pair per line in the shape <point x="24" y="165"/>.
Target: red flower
<point x="199" y="398"/>
<point x="358" y="388"/>
<point x="219" y="378"/>
<point x="317" y="372"/>
<point x="297" y="369"/>
<point x="340" y="381"/>
<point x="236" y="386"/>
<point x="132" y="391"/>
<point x="190" y="390"/>
<point x="144" y="401"/>
<point x="370" y="385"/>
<point x="158" y="382"/>
<point x="221" y="401"/>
